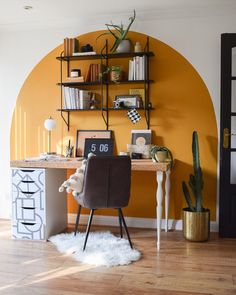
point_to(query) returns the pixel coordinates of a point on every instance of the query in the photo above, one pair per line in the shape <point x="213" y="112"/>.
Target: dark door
<point x="227" y="204"/>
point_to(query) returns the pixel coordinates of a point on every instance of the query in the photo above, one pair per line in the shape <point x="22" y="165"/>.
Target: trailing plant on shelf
<point x="119" y="32"/>
<point x="161" y="154"/>
<point x="195" y="180"/>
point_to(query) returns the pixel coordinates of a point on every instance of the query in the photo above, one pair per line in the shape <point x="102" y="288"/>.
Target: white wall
<point x="195" y="34"/>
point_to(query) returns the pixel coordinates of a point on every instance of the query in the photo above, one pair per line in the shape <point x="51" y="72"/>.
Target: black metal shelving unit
<point x="104" y="58"/>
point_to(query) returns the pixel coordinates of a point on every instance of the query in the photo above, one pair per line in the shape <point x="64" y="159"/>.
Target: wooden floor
<point x="180" y="268"/>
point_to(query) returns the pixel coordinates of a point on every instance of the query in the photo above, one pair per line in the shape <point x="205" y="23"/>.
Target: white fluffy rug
<point x="102" y="249"/>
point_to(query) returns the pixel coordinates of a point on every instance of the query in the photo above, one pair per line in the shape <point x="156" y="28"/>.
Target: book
<point x="94" y="73"/>
<point x="71" y="46"/>
<point x="84" y="53"/>
<point x="74" y="80"/>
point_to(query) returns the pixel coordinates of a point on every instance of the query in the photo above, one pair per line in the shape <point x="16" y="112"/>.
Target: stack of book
<point x="94" y="73"/>
<point x="71" y="45"/>
<point x="137" y="68"/>
<point x="79" y="79"/>
<point x="76" y="99"/>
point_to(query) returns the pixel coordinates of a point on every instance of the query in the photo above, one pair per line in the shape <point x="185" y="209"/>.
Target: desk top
<point x="73" y="163"/>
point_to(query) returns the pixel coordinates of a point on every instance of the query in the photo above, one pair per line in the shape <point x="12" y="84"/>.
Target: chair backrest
<point x="107" y="182"/>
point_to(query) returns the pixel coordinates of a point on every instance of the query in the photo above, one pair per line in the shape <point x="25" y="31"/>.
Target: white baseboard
<point x="134" y="222"/>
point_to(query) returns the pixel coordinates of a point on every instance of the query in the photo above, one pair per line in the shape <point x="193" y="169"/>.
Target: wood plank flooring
<point x="180" y="267"/>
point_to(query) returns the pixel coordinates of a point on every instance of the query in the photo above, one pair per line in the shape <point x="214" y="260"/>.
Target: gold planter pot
<point x="196" y="225"/>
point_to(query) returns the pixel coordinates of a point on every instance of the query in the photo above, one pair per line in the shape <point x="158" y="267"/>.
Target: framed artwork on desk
<point x="141" y="137"/>
<point x="81" y="135"/>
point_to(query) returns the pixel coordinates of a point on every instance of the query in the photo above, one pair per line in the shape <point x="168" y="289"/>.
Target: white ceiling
<point x="46" y="12"/>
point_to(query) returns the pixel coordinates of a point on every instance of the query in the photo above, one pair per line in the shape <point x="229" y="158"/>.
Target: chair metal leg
<point x="126" y="229"/>
<point x="77" y="220"/>
<point x="120" y="222"/>
<point x="88" y="227"/>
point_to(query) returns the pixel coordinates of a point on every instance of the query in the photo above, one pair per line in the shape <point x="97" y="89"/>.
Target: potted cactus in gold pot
<point x="196" y="218"/>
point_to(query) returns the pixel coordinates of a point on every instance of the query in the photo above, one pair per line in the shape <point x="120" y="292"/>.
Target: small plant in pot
<point x="161" y="154"/>
<point x="196" y="219"/>
<point x="119" y="32"/>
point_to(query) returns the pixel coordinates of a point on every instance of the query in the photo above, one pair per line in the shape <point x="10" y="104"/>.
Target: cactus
<point x="195" y="181"/>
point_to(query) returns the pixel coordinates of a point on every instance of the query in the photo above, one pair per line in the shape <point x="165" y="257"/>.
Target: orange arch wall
<point x="182" y="104"/>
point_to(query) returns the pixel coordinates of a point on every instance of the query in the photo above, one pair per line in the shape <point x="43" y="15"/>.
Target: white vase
<point x="124" y="46"/>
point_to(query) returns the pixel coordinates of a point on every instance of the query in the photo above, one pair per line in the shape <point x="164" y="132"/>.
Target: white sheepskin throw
<point x="102" y="249"/>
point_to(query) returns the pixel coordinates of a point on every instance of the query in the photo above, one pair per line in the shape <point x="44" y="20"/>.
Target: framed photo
<point x="81" y="135"/>
<point x="128" y="101"/>
<point x="141" y="137"/>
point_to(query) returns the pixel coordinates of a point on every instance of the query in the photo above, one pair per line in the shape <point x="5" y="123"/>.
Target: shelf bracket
<point x="66" y="120"/>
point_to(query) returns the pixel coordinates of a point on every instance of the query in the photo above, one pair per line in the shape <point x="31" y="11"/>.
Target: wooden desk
<point x="137" y="165"/>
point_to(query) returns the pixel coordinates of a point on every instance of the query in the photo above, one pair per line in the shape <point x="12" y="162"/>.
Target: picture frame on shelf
<point x="81" y="135"/>
<point x="128" y="101"/>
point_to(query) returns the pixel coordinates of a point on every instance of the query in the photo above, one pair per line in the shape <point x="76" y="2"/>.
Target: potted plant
<point x="161" y="154"/>
<point x="196" y="219"/>
<point x="119" y="32"/>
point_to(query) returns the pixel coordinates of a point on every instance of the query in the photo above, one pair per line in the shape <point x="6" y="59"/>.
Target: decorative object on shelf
<point x="137" y="47"/>
<point x="115" y="73"/>
<point x="69" y="150"/>
<point x="134" y="116"/>
<point x="86" y="48"/>
<point x="161" y="154"/>
<point x="94" y="102"/>
<point x="124" y="46"/>
<point x="128" y="101"/>
<point x="196" y="219"/>
<point x="81" y="135"/>
<point x="75" y="73"/>
<point x="120" y="35"/>
<point x="50" y="124"/>
<point x="138" y="91"/>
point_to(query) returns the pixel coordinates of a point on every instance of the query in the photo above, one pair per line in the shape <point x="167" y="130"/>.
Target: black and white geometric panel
<point x="134" y="116"/>
<point x="28" y="203"/>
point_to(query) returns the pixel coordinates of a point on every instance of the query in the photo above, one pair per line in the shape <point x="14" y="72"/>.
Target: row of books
<point x="71" y="46"/>
<point x="75" y="98"/>
<point x="94" y="73"/>
<point x="137" y="68"/>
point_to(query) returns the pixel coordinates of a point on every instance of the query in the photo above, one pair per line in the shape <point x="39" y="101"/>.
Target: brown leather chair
<point x="107" y="182"/>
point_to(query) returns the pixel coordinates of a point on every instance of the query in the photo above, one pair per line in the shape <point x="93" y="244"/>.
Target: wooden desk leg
<point x="159" y="196"/>
<point x="167" y="198"/>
